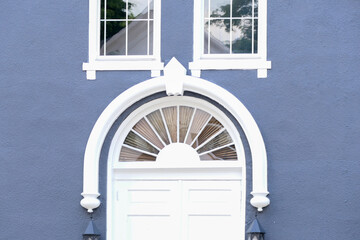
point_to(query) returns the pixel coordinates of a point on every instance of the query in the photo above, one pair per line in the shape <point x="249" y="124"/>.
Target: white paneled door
<point x="177" y="210"/>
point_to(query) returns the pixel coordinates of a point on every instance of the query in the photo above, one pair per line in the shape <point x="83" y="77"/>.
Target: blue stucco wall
<point x="307" y="110"/>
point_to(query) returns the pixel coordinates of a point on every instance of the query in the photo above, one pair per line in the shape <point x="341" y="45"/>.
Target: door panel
<point x="177" y="210"/>
<point x="146" y="210"/>
<point x="211" y="210"/>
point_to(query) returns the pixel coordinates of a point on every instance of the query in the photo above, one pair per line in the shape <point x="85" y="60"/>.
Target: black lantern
<point x="91" y="232"/>
<point x="255" y="231"/>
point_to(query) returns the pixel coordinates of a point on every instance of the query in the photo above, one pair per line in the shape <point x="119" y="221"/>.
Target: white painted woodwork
<point x="155" y="85"/>
<point x="175" y="73"/>
<point x="178" y="195"/>
<point x="212" y="210"/>
<point x="187" y="154"/>
<point x="177" y="209"/>
<point x="145" y="210"/>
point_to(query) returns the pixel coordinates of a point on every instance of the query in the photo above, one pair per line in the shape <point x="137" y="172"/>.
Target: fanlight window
<point x="178" y="124"/>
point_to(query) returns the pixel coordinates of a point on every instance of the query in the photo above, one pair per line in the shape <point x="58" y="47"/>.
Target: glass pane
<point x="170" y="115"/>
<point x="206" y="37"/>
<point x="255" y="36"/>
<point x="137" y="40"/>
<point x="185" y="118"/>
<point x="115" y="9"/>
<point x="257" y="236"/>
<point x="256" y="8"/>
<point x="102" y="26"/>
<point x="218" y="141"/>
<point x="241" y="36"/>
<point x="129" y="155"/>
<point x="138" y="9"/>
<point x="102" y="9"/>
<point x="242" y="8"/>
<point x="115" y="37"/>
<point x="135" y="141"/>
<point x="199" y="121"/>
<point x="156" y="121"/>
<point x="220" y="8"/>
<point x="151" y="37"/>
<point x="206" y="9"/>
<point x="151" y="9"/>
<point x="143" y="128"/>
<point x="219" y="36"/>
<point x="226" y="153"/>
<point x="211" y="128"/>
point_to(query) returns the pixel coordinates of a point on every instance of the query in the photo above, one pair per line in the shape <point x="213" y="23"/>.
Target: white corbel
<point x="90" y="201"/>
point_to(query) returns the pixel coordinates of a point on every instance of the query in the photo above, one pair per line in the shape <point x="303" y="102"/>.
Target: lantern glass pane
<point x="256" y="236"/>
<point x="91" y="238"/>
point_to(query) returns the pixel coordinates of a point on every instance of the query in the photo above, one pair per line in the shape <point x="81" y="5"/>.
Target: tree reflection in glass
<point x="230" y="26"/>
<point x="126" y="27"/>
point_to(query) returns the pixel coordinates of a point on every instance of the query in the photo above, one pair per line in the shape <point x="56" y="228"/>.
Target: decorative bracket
<point x="174" y="74"/>
<point x="260" y="200"/>
<point x="90" y="201"/>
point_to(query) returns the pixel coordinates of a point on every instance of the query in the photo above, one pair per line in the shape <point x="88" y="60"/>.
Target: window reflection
<point x="230" y="26"/>
<point x="127" y="28"/>
<point x="138" y="9"/>
<point x="242" y="35"/>
<point x="220" y="8"/>
<point x="219" y="36"/>
<point x="115" y="44"/>
<point x="242" y="8"/>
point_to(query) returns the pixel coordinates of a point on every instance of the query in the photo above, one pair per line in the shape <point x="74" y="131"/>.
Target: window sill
<point x="154" y="66"/>
<point x="230" y="64"/>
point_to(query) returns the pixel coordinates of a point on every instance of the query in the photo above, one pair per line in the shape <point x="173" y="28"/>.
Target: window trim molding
<point x="155" y="85"/>
<point x="221" y="61"/>
<point x="141" y="62"/>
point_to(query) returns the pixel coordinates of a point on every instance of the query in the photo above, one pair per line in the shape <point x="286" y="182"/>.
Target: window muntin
<point x="230" y="26"/>
<point x="126" y="27"/>
<point x="178" y="124"/>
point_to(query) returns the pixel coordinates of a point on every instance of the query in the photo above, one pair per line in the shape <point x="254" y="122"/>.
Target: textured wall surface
<point x="307" y="110"/>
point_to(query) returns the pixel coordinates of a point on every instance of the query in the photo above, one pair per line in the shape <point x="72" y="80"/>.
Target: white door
<point x="177" y="210"/>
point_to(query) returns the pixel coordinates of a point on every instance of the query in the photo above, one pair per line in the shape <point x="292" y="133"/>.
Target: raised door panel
<point x="177" y="210"/>
<point x="211" y="210"/>
<point x="147" y="210"/>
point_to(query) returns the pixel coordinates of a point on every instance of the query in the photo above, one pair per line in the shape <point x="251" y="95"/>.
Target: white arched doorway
<point x="175" y="171"/>
<point x="175" y="81"/>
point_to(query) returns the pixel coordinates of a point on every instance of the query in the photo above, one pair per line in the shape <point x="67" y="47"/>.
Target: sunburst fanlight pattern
<point x="178" y="124"/>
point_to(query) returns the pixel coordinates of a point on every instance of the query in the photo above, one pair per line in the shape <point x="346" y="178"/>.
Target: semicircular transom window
<point x="182" y="126"/>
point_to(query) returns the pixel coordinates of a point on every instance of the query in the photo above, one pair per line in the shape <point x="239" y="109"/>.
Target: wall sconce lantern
<point x="255" y="231"/>
<point x="91" y="232"/>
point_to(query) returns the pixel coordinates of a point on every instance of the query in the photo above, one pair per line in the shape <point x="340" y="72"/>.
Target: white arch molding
<point x="174" y="82"/>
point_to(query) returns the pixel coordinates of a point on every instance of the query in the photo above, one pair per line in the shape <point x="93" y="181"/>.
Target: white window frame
<point x="229" y="61"/>
<point x="110" y="63"/>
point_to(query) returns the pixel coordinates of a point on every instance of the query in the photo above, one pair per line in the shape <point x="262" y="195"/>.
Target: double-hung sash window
<point x="230" y="34"/>
<point x="124" y="35"/>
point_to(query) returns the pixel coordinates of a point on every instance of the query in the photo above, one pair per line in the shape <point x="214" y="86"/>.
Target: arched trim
<point x="155" y="85"/>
